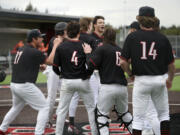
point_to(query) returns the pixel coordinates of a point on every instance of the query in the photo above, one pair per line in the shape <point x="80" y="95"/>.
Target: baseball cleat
<point x="4" y="133"/>
<point x="72" y="130"/>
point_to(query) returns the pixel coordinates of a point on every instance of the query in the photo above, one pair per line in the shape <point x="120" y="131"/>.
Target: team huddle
<point x="90" y="65"/>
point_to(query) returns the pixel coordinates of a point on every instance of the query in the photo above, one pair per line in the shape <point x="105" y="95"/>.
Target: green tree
<point x="31" y="8"/>
<point x="172" y="30"/>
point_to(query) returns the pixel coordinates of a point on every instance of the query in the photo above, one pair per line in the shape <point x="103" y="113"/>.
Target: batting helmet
<point x="60" y="26"/>
<point x="2" y="76"/>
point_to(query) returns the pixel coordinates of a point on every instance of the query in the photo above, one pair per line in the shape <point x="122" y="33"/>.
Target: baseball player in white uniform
<point x="152" y="60"/>
<point x="23" y="88"/>
<point x="75" y="77"/>
<point x="53" y="80"/>
<point x="151" y="122"/>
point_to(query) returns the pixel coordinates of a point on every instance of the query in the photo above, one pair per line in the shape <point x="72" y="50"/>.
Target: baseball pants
<point x="151" y="119"/>
<point x="146" y="88"/>
<point x="73" y="104"/>
<point x="109" y="95"/>
<point x="95" y="85"/>
<point x="68" y="88"/>
<point x="27" y="93"/>
<point x="53" y="84"/>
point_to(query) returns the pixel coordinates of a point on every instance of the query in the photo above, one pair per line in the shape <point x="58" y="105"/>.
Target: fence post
<point x="9" y="62"/>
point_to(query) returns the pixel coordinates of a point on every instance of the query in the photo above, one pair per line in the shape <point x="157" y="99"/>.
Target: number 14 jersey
<point x="150" y="52"/>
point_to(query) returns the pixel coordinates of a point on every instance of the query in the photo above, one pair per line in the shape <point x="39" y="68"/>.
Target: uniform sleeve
<point x="94" y="59"/>
<point x="57" y="62"/>
<point x="126" y="53"/>
<point x="50" y="46"/>
<point x="170" y="57"/>
<point x="41" y="57"/>
<point x="93" y="44"/>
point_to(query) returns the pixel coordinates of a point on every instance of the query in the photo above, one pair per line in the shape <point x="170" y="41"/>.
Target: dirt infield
<point x="28" y="115"/>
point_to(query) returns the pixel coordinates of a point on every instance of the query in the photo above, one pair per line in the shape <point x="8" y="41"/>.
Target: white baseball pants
<point x="109" y="95"/>
<point x="146" y="87"/>
<point x="23" y="93"/>
<point x="53" y="84"/>
<point x="68" y="88"/>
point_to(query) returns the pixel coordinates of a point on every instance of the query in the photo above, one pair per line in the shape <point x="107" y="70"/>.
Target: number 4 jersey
<point x="26" y="64"/>
<point x="71" y="59"/>
<point x="150" y="52"/>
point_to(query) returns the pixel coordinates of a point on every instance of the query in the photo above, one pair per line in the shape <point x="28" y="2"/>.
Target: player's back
<point x="150" y="52"/>
<point x="87" y="38"/>
<point x="71" y="59"/>
<point x="26" y="64"/>
<point x="109" y="69"/>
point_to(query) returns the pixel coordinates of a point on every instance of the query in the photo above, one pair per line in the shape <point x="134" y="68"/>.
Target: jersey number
<point x="18" y="55"/>
<point x="74" y="58"/>
<point x="152" y="52"/>
<point x="118" y="54"/>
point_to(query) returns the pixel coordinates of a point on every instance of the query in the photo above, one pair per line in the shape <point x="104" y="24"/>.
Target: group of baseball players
<point x="90" y="65"/>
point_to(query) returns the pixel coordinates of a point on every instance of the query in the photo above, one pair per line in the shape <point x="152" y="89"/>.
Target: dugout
<point x="15" y="24"/>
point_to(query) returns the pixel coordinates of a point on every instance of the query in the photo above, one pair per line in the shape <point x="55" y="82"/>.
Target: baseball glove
<point x="2" y="76"/>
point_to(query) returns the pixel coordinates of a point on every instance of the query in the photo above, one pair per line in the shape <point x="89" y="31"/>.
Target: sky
<point x="116" y="12"/>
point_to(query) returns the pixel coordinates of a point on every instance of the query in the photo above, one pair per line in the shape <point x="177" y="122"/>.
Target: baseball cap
<point x="60" y="26"/>
<point x="135" y="25"/>
<point x="34" y="34"/>
<point x="146" y="11"/>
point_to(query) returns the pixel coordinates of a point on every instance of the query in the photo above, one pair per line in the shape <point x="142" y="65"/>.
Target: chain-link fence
<point x="174" y="40"/>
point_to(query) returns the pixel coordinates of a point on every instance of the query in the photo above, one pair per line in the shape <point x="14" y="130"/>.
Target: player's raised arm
<point x="56" y="42"/>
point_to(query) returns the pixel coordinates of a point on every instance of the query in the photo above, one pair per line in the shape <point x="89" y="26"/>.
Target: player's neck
<point x="33" y="45"/>
<point x="99" y="34"/>
<point x="74" y="39"/>
<point x="147" y="29"/>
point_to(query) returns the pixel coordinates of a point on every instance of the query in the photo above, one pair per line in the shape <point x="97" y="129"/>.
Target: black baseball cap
<point x="34" y="34"/>
<point x="60" y="26"/>
<point x="135" y="25"/>
<point x="146" y="11"/>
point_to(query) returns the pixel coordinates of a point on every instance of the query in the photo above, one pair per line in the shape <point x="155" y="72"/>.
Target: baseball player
<point x="151" y="121"/>
<point x="113" y="90"/>
<point x="71" y="59"/>
<point x="85" y="30"/>
<point x="23" y="88"/>
<point x="53" y="81"/>
<point x="152" y="61"/>
<point x="98" y="26"/>
<point x="97" y="35"/>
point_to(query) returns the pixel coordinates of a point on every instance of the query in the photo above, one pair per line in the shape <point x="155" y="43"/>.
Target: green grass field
<point x="41" y="79"/>
<point x="177" y="63"/>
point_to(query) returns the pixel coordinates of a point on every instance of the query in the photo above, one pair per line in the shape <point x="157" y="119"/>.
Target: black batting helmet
<point x="60" y="27"/>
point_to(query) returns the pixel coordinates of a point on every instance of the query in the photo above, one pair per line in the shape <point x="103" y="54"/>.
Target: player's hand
<point x="168" y="83"/>
<point x="87" y="48"/>
<point x="43" y="67"/>
<point x="132" y="78"/>
<point x="57" y="41"/>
